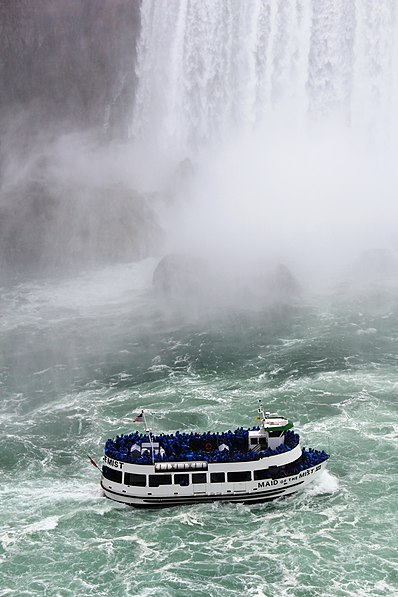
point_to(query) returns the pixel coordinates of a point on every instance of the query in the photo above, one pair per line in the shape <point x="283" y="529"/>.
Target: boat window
<point x="199" y="478"/>
<point x="237" y="476"/>
<point x="111" y="474"/>
<point x="156" y="480"/>
<point x="217" y="477"/>
<point x="133" y="479"/>
<point x="254" y="440"/>
<point x="181" y="479"/>
<point x="262" y="474"/>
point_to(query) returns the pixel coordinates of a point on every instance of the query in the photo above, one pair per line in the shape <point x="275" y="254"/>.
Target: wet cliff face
<point x="67" y="73"/>
<point x="68" y="65"/>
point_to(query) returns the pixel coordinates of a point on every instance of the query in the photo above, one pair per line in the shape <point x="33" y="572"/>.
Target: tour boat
<point x="246" y="465"/>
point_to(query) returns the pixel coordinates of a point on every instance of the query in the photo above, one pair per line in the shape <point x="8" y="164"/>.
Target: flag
<point x="139" y="418"/>
<point x="93" y="462"/>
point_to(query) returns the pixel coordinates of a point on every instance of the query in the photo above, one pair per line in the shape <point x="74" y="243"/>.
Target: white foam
<point x="188" y="518"/>
<point x="55" y="301"/>
<point x="362" y="332"/>
<point x="256" y="592"/>
<point x="12" y="536"/>
<point x="47" y="524"/>
<point x="325" y="483"/>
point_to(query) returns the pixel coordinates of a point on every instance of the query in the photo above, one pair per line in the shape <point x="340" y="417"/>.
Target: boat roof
<point x="273" y="423"/>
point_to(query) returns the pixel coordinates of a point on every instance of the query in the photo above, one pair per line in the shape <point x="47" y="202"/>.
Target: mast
<point x="262" y="415"/>
<point x="149" y="431"/>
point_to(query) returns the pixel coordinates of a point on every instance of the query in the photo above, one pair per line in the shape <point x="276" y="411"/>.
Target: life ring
<point x="208" y="446"/>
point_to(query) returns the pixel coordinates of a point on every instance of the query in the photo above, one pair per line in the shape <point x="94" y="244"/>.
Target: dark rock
<point x="184" y="170"/>
<point x="180" y="275"/>
<point x="283" y="284"/>
<point x="47" y="227"/>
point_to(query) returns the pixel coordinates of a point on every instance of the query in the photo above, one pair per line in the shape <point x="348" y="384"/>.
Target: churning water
<point x="80" y="357"/>
<point x="79" y="360"/>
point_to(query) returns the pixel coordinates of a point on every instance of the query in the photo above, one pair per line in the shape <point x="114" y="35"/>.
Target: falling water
<point x="207" y="68"/>
<point x="259" y="88"/>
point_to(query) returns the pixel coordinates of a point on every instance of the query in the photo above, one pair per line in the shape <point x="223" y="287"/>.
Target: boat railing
<point x="179" y="447"/>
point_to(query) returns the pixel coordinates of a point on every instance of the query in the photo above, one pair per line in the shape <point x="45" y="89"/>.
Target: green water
<point x="80" y="358"/>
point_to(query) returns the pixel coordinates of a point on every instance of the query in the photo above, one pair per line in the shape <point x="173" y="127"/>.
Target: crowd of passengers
<point x="309" y="458"/>
<point x="194" y="446"/>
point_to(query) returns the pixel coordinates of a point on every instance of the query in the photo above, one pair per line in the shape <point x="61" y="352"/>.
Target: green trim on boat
<point x="288" y="425"/>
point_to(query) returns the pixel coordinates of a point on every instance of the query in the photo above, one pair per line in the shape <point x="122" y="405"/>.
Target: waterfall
<point x="207" y="68"/>
<point x="287" y="110"/>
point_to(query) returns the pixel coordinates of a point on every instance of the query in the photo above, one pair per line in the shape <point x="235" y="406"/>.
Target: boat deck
<point x="229" y="446"/>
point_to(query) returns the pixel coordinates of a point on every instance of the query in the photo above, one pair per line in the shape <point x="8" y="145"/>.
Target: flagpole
<point x="93" y="463"/>
<point x="150" y="437"/>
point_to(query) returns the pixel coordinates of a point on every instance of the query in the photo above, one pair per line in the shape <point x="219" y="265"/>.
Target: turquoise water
<point x="79" y="358"/>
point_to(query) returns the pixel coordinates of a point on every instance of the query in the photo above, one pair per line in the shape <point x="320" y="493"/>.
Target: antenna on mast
<point x="149" y="431"/>
<point x="262" y="415"/>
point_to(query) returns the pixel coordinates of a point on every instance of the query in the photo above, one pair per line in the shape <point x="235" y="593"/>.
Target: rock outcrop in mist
<point x="183" y="276"/>
<point x="191" y="281"/>
<point x="58" y="227"/>
<point x="281" y="285"/>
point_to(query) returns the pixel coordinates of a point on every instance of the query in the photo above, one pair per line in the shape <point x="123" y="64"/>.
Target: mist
<point x="286" y="161"/>
<point x="287" y="116"/>
<point x="315" y="202"/>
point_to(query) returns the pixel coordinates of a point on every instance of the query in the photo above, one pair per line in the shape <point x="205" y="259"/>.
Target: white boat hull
<point x="249" y="493"/>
